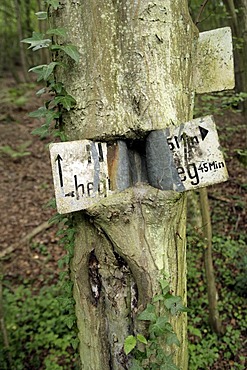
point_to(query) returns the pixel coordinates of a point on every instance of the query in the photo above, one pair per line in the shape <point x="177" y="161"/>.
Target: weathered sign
<point x="185" y="157"/>
<point x="80" y="174"/>
<point x="178" y="158"/>
<point x="214" y="61"/>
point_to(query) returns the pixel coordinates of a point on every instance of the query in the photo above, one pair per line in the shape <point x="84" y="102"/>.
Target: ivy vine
<point x="149" y="352"/>
<point x="60" y="100"/>
<point x="52" y="110"/>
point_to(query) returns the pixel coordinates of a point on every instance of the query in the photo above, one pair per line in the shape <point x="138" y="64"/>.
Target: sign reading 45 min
<point x="196" y="152"/>
<point x="186" y="156"/>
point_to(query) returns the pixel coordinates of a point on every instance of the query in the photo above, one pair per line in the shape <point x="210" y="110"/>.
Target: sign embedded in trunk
<point x="185" y="157"/>
<point x="178" y="158"/>
<point x="80" y="174"/>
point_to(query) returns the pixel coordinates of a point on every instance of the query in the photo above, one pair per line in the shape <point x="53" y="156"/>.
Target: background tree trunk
<point x="134" y="76"/>
<point x="238" y="12"/>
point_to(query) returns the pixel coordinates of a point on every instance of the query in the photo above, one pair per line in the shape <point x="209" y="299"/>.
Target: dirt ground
<point x="25" y="188"/>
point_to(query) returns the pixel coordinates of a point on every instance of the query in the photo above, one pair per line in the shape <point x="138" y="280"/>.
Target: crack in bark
<point x="94" y="277"/>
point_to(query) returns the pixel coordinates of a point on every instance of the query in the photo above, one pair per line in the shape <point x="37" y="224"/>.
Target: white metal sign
<point x="80" y="174"/>
<point x="214" y="63"/>
<point x="196" y="153"/>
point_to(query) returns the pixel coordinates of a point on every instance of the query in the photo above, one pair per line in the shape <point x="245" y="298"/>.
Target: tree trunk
<point x="241" y="6"/>
<point x="214" y="318"/>
<point x="238" y="11"/>
<point x="134" y="76"/>
<point x="21" y="46"/>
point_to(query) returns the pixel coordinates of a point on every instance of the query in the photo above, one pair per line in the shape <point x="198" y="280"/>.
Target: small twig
<point x="222" y="199"/>
<point x="197" y="20"/>
<point x="45" y="225"/>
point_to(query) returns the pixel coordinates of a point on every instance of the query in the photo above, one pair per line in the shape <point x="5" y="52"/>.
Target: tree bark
<point x="214" y="318"/>
<point x="134" y="76"/>
<point x="238" y="11"/>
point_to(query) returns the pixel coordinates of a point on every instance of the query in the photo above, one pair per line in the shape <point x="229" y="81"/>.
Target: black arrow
<point x="59" y="159"/>
<point x="203" y="132"/>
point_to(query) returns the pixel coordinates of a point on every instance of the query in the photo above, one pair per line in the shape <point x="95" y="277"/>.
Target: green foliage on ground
<point x="205" y="348"/>
<point x="39" y="336"/>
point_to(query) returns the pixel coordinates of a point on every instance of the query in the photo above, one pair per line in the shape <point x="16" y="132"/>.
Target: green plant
<point x="36" y="324"/>
<point x="60" y="100"/>
<point x="216" y="103"/>
<point x="155" y="350"/>
<point x="206" y="349"/>
<point x="19" y="152"/>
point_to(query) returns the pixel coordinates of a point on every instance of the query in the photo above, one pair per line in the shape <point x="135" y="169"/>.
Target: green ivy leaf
<point x="174" y="305"/>
<point x="39" y="70"/>
<point x="157" y="298"/>
<point x="57" y="31"/>
<point x="129" y="344"/>
<point x="70" y="50"/>
<point x="169" y="365"/>
<point x="41" y="15"/>
<point x="159" y="327"/>
<point x="41" y="91"/>
<point x="37" y="41"/>
<point x="148" y="314"/>
<point x="48" y="70"/>
<point x="66" y="101"/>
<point x="39" y="113"/>
<point x="141" y="339"/>
<point x="70" y="320"/>
<point x="54" y="3"/>
<point x="42" y="131"/>
<point x="164" y="284"/>
<point x="74" y="342"/>
<point x="171" y="338"/>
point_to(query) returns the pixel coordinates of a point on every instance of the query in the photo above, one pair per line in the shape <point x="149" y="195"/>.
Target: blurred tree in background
<point x="17" y="21"/>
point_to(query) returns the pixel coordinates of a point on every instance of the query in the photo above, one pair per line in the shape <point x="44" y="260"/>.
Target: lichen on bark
<point x="134" y="236"/>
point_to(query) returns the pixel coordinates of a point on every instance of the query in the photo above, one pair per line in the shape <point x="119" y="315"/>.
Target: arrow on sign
<point x="59" y="159"/>
<point x="203" y="132"/>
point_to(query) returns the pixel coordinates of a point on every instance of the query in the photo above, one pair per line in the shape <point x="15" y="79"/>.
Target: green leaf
<point x="158" y="297"/>
<point x="66" y="101"/>
<point x="74" y="342"/>
<point x="54" y="3"/>
<point x="57" y="31"/>
<point x="49" y="69"/>
<point x="169" y="365"/>
<point x="39" y="70"/>
<point x="41" y="91"/>
<point x="174" y="305"/>
<point x="70" y="50"/>
<point x="39" y="113"/>
<point x="171" y="338"/>
<point x="141" y="339"/>
<point x="37" y="41"/>
<point x="148" y="314"/>
<point x="41" y="15"/>
<point x="70" y="320"/>
<point x="159" y="327"/>
<point x="42" y="131"/>
<point x="164" y="284"/>
<point x="129" y="344"/>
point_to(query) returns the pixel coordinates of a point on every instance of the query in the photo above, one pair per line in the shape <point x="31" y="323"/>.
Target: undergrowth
<point x="39" y="336"/>
<point x="206" y="350"/>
